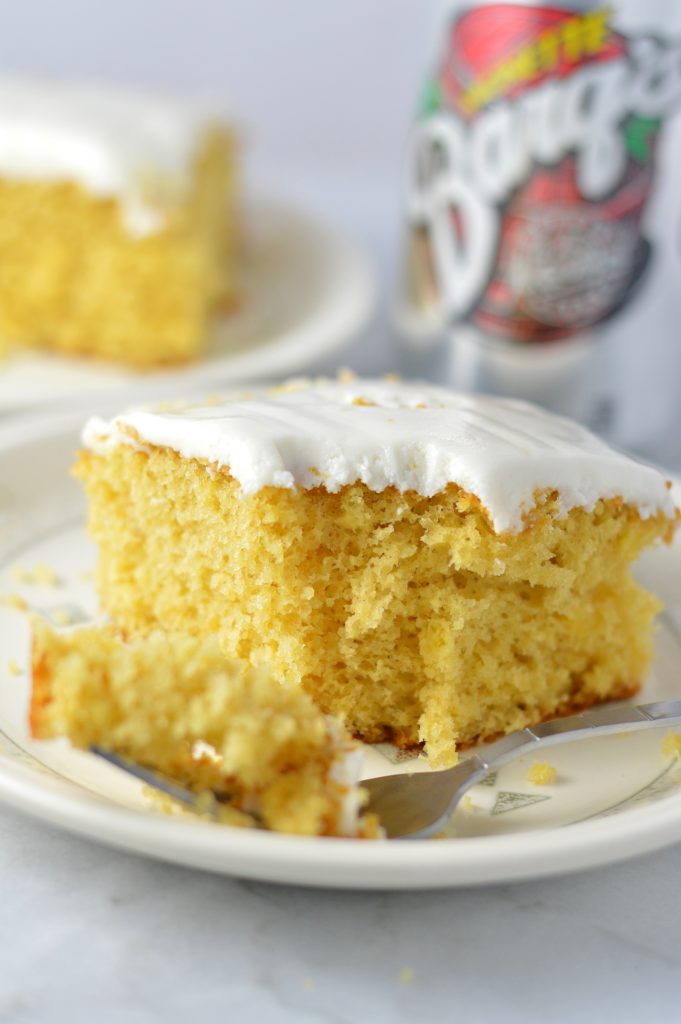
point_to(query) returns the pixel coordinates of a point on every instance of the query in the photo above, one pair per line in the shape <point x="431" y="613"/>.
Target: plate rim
<point x="342" y="863"/>
<point x="325" y="862"/>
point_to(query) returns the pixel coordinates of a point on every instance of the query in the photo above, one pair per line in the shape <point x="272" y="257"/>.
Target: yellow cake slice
<point x="432" y="568"/>
<point x="119" y="223"/>
<point x="177" y="705"/>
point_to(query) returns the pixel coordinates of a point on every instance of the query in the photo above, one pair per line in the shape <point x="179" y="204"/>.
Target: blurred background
<point x="325" y="85"/>
<point x="324" y="93"/>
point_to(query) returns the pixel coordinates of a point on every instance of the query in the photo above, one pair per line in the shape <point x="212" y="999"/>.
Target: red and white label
<point x="533" y="164"/>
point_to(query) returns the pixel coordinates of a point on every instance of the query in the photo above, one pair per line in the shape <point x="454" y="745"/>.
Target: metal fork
<point x="418" y="805"/>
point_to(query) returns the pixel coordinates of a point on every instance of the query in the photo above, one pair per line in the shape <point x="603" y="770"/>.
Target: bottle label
<point x="532" y="164"/>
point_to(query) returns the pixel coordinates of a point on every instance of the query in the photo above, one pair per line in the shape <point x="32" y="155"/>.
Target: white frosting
<point x="345" y="774"/>
<point x="104" y="140"/>
<point x="414" y="437"/>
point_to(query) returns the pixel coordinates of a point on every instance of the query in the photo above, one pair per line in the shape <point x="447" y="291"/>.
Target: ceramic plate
<point x="612" y="798"/>
<point x="306" y="292"/>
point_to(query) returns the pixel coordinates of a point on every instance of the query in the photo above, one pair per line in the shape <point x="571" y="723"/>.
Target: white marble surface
<point x="88" y="934"/>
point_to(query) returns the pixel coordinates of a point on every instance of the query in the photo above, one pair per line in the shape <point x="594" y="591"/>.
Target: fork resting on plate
<point x="417" y="805"/>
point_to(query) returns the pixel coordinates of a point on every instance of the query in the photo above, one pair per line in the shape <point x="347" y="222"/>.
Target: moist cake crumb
<point x="460" y="570"/>
<point x="41" y="575"/>
<point x="542" y="774"/>
<point x="276" y="761"/>
<point x="45" y="575"/>
<point x="20" y="574"/>
<point x="671" y="744"/>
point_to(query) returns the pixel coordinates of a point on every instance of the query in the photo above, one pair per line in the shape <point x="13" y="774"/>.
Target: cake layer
<point x="412" y="437"/>
<point x="176" y="704"/>
<point x="119" y="224"/>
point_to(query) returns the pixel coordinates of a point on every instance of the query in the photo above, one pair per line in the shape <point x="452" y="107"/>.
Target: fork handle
<point x="598" y="722"/>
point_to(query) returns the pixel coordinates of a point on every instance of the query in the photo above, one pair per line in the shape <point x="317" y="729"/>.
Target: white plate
<point x="613" y="798"/>
<point x="306" y="292"/>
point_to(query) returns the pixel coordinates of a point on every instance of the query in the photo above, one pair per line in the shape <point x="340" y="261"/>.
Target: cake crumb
<point x="467" y="803"/>
<point x="346" y="375"/>
<point x="291" y="386"/>
<point x="163" y="802"/>
<point x="13" y="667"/>
<point x="671" y="745"/>
<point x="541" y="773"/>
<point x="14" y="601"/>
<point x="308" y="984"/>
<point x="392" y="378"/>
<point x="61" y="617"/>
<point x="42" y="574"/>
<point x="45" y="575"/>
<point x="173" y="405"/>
<point x="20" y="574"/>
<point x="407" y="975"/>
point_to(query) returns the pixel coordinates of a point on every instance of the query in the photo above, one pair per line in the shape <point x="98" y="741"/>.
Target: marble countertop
<point x="89" y="934"/>
<point x="95" y="935"/>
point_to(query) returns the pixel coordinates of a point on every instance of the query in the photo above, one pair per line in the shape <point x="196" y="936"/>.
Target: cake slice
<point x="431" y="567"/>
<point x="177" y="705"/>
<point x="119" y="223"/>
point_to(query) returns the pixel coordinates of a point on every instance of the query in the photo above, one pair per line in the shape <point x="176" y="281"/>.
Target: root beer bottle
<point x="544" y="211"/>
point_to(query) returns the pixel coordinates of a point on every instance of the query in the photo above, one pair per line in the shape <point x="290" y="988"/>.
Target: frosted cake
<point x="432" y="568"/>
<point x="118" y="218"/>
